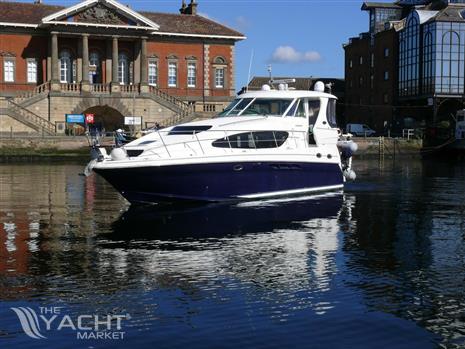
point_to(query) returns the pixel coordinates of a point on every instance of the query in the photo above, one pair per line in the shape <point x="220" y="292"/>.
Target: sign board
<point x="60" y="127"/>
<point x="77" y="118"/>
<point x="133" y="120"/>
<point x="89" y="118"/>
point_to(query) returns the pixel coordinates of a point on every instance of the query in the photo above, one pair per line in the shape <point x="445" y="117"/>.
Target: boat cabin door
<point x="325" y="129"/>
<point x="306" y="111"/>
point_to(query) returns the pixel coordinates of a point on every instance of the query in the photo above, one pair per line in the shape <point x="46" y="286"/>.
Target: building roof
<point x="413" y="2"/>
<point x="189" y="24"/>
<point x="27" y="13"/>
<point x="20" y="12"/>
<point x="451" y="13"/>
<point x="425" y="16"/>
<point x="370" y="5"/>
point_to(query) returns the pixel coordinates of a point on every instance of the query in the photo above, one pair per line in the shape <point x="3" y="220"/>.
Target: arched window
<point x="219" y="60"/>
<point x="123" y="69"/>
<point x="428" y="63"/>
<point x="450" y="62"/>
<point x="66" y="67"/>
<point x="408" y="58"/>
<point x="95" y="68"/>
<point x="219" y="66"/>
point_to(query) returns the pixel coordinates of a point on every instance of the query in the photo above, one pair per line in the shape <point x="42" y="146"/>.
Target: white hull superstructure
<point x="267" y="143"/>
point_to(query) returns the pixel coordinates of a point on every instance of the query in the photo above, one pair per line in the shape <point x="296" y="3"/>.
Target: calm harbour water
<point x="381" y="265"/>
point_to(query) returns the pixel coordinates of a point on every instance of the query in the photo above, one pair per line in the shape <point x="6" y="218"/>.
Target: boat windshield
<point x="257" y="106"/>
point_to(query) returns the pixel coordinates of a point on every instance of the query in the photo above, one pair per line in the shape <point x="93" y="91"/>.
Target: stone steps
<point x="29" y="118"/>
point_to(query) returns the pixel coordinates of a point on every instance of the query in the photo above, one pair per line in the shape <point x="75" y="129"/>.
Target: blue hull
<point x="220" y="181"/>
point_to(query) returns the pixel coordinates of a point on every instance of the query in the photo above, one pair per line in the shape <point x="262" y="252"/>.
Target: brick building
<point x="102" y="57"/>
<point x="408" y="69"/>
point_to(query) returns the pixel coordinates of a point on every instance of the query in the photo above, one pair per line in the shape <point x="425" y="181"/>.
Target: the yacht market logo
<point x="86" y="326"/>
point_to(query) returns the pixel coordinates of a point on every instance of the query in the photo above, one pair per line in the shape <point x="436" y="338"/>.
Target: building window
<point x="386" y="98"/>
<point x="219" y="65"/>
<point x="219" y="77"/>
<point x="172" y="74"/>
<point x="360" y="81"/>
<point x="360" y="60"/>
<point x="191" y="74"/>
<point x="409" y="49"/>
<point x="9" y="70"/>
<point x="351" y="64"/>
<point x="386" y="52"/>
<point x="95" y="75"/>
<point x="380" y="16"/>
<point x="372" y="81"/>
<point x="428" y="61"/>
<point x="386" y="75"/>
<point x="123" y="69"/>
<point x="31" y="71"/>
<point x="66" y="67"/>
<point x="372" y="63"/>
<point x="153" y="72"/>
<point x="451" y="69"/>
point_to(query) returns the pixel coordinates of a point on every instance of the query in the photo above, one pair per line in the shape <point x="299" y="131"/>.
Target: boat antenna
<point x="250" y="68"/>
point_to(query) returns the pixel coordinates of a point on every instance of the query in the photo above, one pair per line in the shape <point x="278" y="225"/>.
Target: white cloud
<point x="242" y="23"/>
<point x="312" y="56"/>
<point x="288" y="54"/>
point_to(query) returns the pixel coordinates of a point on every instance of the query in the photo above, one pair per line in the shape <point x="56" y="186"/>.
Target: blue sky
<point x="298" y="37"/>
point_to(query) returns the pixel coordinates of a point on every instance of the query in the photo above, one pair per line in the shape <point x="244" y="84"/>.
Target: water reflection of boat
<point x="283" y="245"/>
<point x="213" y="220"/>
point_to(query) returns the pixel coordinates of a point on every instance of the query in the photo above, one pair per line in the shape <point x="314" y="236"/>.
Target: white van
<point x="360" y="130"/>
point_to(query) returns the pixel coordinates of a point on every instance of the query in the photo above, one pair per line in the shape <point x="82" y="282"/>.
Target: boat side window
<point x="331" y="112"/>
<point x="253" y="140"/>
<point x="267" y="106"/>
<point x="292" y="109"/>
<point x="229" y="107"/>
<point x="301" y="109"/>
<point x="239" y="107"/>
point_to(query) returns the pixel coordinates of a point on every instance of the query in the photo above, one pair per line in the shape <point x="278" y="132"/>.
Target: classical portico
<point x="103" y="53"/>
<point x="121" y="24"/>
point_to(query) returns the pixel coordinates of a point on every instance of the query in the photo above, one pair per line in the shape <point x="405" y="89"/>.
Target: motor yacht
<point x="267" y="143"/>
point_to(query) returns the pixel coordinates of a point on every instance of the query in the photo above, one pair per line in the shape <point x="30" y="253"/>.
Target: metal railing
<point x="408" y="133"/>
<point x="228" y="140"/>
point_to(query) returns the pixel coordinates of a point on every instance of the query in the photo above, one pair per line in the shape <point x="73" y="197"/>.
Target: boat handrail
<point x="292" y="135"/>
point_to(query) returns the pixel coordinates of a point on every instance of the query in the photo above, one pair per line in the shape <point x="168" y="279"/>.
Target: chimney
<point x="193" y="7"/>
<point x="183" y="8"/>
<point x="190" y="9"/>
